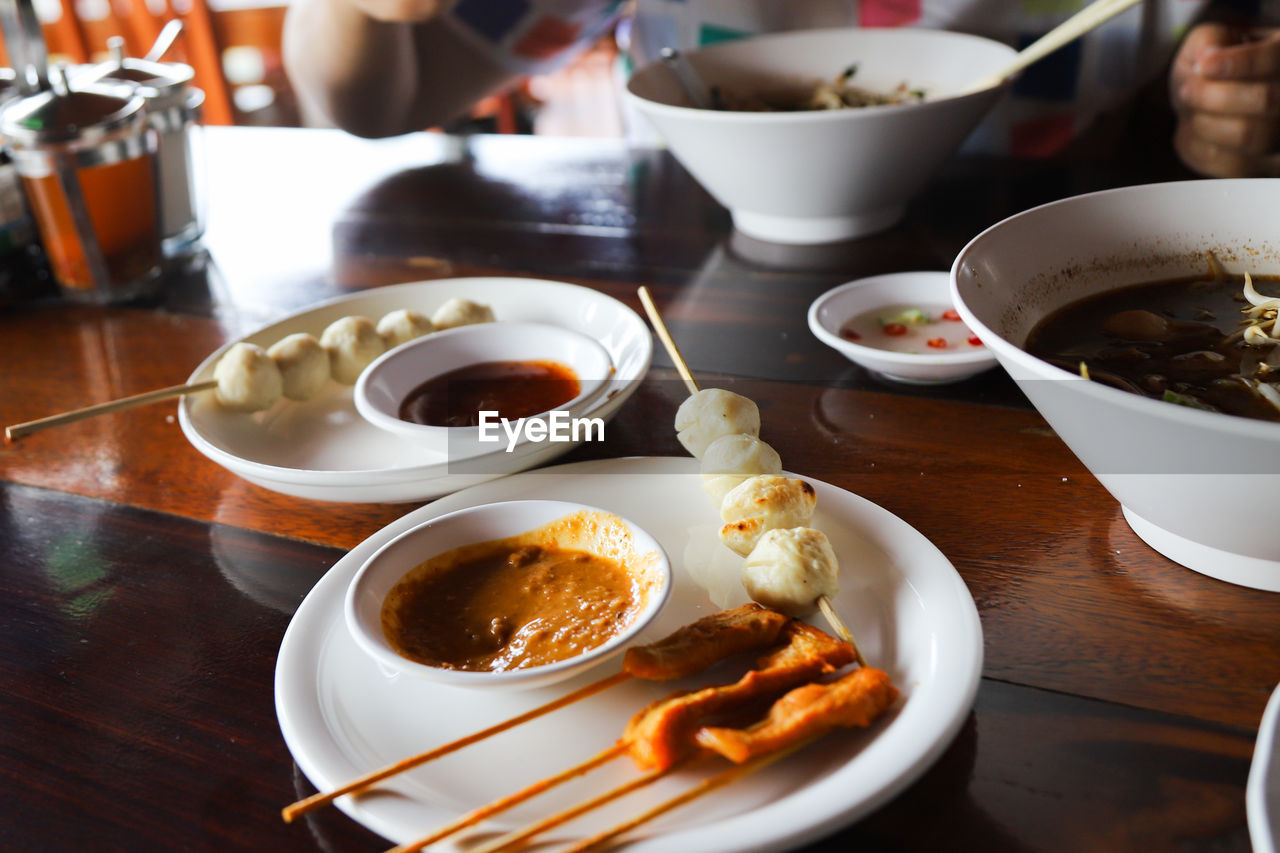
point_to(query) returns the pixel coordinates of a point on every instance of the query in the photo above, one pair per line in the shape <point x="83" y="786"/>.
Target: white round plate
<point x="1262" y="796"/>
<point x="342" y="716"/>
<point x="323" y="450"/>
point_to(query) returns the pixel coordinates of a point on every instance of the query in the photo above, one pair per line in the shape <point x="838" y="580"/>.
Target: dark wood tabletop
<point x="1120" y="695"/>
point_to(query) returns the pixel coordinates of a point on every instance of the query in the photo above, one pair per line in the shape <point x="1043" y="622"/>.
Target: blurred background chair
<point x="234" y="49"/>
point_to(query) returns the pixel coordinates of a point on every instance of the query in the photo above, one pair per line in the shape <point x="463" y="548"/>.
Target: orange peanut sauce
<point x="522" y="601"/>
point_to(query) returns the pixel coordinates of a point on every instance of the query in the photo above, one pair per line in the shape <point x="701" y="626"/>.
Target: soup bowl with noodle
<point x="1198" y="485"/>
<point x="797" y="175"/>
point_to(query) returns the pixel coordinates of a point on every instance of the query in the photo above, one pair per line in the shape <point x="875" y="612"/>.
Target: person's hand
<point x="1225" y="87"/>
<point x="402" y="11"/>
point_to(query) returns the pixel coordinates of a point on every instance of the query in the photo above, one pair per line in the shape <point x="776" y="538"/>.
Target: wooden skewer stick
<point x="661" y="328"/>
<point x="321" y="799"/>
<point x="515" y="840"/>
<point x="721" y="779"/>
<point x="16" y="431"/>
<point x="824" y="603"/>
<point x="498" y="806"/>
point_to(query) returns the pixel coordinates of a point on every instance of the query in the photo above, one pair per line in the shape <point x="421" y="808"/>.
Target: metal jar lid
<point x="96" y="123"/>
<point x="163" y="84"/>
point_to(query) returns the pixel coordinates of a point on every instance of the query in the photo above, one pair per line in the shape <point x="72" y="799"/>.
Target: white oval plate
<point x="323" y="450"/>
<point x="342" y="716"/>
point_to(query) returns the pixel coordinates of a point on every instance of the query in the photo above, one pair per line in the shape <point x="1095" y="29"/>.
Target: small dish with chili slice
<point x="517" y="594"/>
<point x="434" y="390"/>
<point x="901" y="326"/>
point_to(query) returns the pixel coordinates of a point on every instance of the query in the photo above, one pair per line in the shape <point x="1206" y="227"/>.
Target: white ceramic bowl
<point x="830" y="311"/>
<point x="385" y="384"/>
<point x="823" y="176"/>
<point x="638" y="549"/>
<point x="1199" y="487"/>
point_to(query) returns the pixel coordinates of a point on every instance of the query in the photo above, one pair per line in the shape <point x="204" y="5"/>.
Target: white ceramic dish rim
<point x="902" y="751"/>
<point x="270" y="475"/>
<point x="1113" y="396"/>
<point x="806" y="116"/>
<point x="830" y="337"/>
<point x="546" y="511"/>
<point x="380" y="416"/>
<point x="1262" y="793"/>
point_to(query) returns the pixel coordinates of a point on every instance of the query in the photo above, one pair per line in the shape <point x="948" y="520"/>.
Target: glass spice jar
<point x="86" y="159"/>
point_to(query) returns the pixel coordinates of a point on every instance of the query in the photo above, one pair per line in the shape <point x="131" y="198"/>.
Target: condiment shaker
<point x="86" y="159"/>
<point x="173" y="111"/>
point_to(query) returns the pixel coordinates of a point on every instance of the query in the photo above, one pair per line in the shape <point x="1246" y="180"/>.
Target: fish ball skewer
<point x="790" y="569"/>
<point x="711" y="413"/>
<point x="731" y="459"/>
<point x="404" y="325"/>
<point x="248" y="379"/>
<point x="763" y="503"/>
<point x="303" y="363"/>
<point x="352" y="343"/>
<point x="685" y="417"/>
<point x="461" y="312"/>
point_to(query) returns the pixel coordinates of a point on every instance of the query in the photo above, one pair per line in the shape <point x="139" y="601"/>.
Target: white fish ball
<point x="712" y="413"/>
<point x="790" y="569"/>
<point x="731" y="459"/>
<point x="303" y="363"/>
<point x="762" y="503"/>
<point x="352" y="343"/>
<point x="403" y="325"/>
<point x="461" y="312"/>
<point x="248" y="380"/>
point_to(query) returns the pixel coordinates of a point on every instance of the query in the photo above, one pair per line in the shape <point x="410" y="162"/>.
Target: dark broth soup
<point x="1179" y="341"/>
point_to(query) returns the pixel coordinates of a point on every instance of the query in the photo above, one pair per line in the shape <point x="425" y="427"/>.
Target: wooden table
<point x="1120" y="695"/>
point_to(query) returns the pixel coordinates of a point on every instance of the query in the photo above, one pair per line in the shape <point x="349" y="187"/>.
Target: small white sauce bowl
<point x="375" y="579"/>
<point x="833" y="309"/>
<point x="384" y="385"/>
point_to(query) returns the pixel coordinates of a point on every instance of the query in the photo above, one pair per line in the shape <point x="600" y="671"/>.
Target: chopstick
<point x="824" y="603"/>
<point x="317" y="800"/>
<point x="1091" y="16"/>
<point x="16" y="431"/>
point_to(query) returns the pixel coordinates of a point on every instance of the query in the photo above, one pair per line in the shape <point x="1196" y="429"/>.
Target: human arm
<point x="384" y="67"/>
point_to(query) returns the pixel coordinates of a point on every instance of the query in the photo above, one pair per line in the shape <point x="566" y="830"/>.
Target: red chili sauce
<point x="513" y="389"/>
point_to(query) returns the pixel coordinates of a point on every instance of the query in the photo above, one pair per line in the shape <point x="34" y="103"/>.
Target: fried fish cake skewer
<point x="685" y="651"/>
<point x="800" y="717"/>
<point x="855" y="700"/>
<point x="661" y="737"/>
<point x="661" y="734"/>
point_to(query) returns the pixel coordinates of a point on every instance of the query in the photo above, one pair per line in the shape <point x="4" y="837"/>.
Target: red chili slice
<point x="938" y="343"/>
<point x="951" y="314"/>
<point x="895" y="329"/>
<point x="975" y="341"/>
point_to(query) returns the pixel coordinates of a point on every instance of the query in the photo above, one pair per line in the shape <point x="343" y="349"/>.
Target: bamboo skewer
<point x="16" y="431"/>
<point x="672" y="350"/>
<point x="513" y="840"/>
<point x="824" y="603"/>
<point x="321" y="799"/>
<point x="721" y="779"/>
<point x="498" y="806"/>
